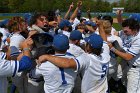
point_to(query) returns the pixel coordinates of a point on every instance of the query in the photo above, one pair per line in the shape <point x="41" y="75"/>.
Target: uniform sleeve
<point x="82" y="62"/>
<point x="8" y="68"/>
<point x="105" y="54"/>
<point x="134" y="47"/>
<point x="25" y="63"/>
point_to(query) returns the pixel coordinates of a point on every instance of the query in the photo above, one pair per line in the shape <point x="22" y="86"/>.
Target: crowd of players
<point x="45" y="53"/>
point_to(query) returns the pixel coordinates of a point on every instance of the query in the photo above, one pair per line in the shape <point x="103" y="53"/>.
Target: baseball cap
<point x="90" y="23"/>
<point x="4" y="22"/>
<point x="61" y="42"/>
<point x="64" y="23"/>
<point x="27" y="17"/>
<point x="14" y="51"/>
<point x="75" y="35"/>
<point x="135" y="16"/>
<point x="94" y="40"/>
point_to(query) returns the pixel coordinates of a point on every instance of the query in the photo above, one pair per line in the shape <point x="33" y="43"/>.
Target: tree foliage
<point x="14" y="6"/>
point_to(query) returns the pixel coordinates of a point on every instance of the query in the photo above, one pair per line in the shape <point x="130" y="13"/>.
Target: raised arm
<point x="69" y="10"/>
<point x="88" y="14"/>
<point x="101" y="30"/>
<point x="119" y="16"/>
<point x="73" y="16"/>
<point x="25" y="62"/>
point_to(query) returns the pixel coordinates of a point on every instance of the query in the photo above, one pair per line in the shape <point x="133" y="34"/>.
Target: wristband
<point x="26" y="49"/>
<point x="113" y="49"/>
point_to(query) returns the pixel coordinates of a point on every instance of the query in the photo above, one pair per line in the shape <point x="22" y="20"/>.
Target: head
<point x="75" y="37"/>
<point x="99" y="17"/>
<point x="94" y="44"/>
<point x="107" y="17"/>
<point x="39" y="19"/>
<point x="60" y="43"/>
<point x="107" y="27"/>
<point x="82" y="28"/>
<point x="27" y="17"/>
<point x="51" y="15"/>
<point x="82" y="20"/>
<point x="42" y="39"/>
<point x="65" y="25"/>
<point x="90" y="25"/>
<point x="3" y="24"/>
<point x="130" y="26"/>
<point x="43" y="50"/>
<point x="1" y="35"/>
<point x="17" y="24"/>
<point x="135" y="16"/>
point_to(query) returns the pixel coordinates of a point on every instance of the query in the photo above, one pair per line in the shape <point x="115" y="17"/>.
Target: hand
<point x="88" y="11"/>
<point x="71" y="6"/>
<point x="110" y="45"/>
<point x="27" y="43"/>
<point x="79" y="4"/>
<point x="119" y="12"/>
<point x="53" y="23"/>
<point x="32" y="32"/>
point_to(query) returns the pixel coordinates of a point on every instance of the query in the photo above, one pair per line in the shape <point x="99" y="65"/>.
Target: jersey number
<point x="104" y="69"/>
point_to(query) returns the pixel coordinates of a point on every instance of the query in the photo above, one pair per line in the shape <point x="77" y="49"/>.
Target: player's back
<point x="57" y="80"/>
<point x="95" y="76"/>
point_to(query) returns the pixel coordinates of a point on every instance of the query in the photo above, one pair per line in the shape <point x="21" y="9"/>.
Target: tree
<point x="4" y="6"/>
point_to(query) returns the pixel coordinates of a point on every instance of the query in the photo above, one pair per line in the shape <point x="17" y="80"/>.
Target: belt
<point x="131" y="66"/>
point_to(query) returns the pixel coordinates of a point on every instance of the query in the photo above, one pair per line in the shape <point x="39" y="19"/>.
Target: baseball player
<point x="75" y="49"/>
<point x="132" y="55"/>
<point x="57" y="80"/>
<point x="11" y="68"/>
<point x="111" y="38"/>
<point x="3" y="79"/>
<point x="94" y="64"/>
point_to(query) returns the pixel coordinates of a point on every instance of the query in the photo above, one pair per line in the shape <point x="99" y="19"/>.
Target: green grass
<point x="5" y="17"/>
<point x="117" y="26"/>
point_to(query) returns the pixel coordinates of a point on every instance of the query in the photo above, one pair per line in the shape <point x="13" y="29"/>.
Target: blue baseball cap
<point x="135" y="16"/>
<point x="27" y="17"/>
<point x="94" y="40"/>
<point x="14" y="51"/>
<point x="4" y="22"/>
<point x="90" y="23"/>
<point x="64" y="23"/>
<point x="76" y="35"/>
<point x="61" y="42"/>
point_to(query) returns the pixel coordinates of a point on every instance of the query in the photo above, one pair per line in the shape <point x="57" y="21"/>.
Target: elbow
<point x="128" y="57"/>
